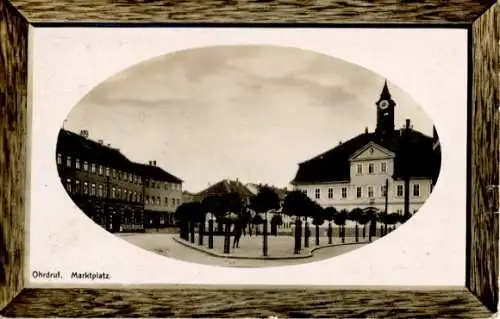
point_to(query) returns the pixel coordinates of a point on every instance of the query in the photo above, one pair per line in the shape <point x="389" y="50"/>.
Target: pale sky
<point x="246" y="112"/>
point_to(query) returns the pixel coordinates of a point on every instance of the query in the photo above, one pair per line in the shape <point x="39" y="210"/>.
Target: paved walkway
<point x="168" y="245"/>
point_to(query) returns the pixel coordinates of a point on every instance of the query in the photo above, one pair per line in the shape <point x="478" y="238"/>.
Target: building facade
<point x="162" y="195"/>
<point x="108" y="187"/>
<point x="389" y="170"/>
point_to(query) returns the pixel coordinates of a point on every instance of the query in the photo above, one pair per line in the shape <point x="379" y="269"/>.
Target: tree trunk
<point x="210" y="234"/>
<point x="317" y="235"/>
<point x="201" y="227"/>
<point x="330" y="230"/>
<point x="343" y="233"/>
<point x="357" y="231"/>
<point x="191" y="231"/>
<point x="264" y="238"/>
<point x="306" y="234"/>
<point x="298" y="236"/>
<point x="227" y="238"/>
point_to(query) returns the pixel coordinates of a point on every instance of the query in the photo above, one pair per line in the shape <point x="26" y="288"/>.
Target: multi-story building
<point x="392" y="170"/>
<point x="111" y="189"/>
<point x="162" y="195"/>
<point x="101" y="181"/>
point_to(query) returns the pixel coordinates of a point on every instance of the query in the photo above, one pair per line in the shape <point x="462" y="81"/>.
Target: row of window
<point x="371" y="168"/>
<point x="370" y="192"/>
<point x="156" y="200"/>
<point x="101" y="191"/>
<point x="99" y="169"/>
<point x="164" y="185"/>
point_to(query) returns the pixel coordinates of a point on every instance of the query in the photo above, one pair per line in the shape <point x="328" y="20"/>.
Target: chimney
<point x="150" y="163"/>
<point x="366" y="130"/>
<point x="408" y="123"/>
<point x="84" y="133"/>
<point x="340" y="142"/>
<point x="108" y="145"/>
<point x="154" y="163"/>
<point x="100" y="142"/>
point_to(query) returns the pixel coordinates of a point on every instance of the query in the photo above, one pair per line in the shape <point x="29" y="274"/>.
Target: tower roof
<point x="385" y="94"/>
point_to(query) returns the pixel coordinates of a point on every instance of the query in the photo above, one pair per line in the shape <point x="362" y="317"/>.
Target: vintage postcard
<point x="315" y="157"/>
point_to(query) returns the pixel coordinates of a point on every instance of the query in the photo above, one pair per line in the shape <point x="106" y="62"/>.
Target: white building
<point x="358" y="172"/>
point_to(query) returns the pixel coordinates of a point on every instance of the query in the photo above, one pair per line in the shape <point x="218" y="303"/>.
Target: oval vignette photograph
<point x="248" y="156"/>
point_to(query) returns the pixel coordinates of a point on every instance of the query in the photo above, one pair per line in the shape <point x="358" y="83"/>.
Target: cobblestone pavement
<point x="164" y="244"/>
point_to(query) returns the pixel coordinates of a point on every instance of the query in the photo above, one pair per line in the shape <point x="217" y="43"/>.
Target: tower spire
<point x="385" y="94"/>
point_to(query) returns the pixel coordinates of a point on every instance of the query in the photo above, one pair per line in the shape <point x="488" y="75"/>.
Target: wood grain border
<point x="479" y="298"/>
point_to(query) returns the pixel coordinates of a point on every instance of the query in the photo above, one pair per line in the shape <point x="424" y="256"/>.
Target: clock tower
<point x="385" y="111"/>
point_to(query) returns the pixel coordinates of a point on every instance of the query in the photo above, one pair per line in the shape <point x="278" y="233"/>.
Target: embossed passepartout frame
<point x="479" y="296"/>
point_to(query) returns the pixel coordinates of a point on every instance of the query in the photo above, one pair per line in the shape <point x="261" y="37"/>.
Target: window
<point x="358" y="192"/>
<point x="77" y="187"/>
<point x="178" y="201"/>
<point x="173" y="201"/>
<point x="152" y="184"/>
<point x="344" y="192"/>
<point x="147" y="199"/>
<point x="416" y="190"/>
<point x="85" y="188"/>
<point x="68" y="161"/>
<point x="134" y="199"/>
<point x="100" y="192"/>
<point x="383" y="191"/>
<point x="383" y="167"/>
<point x="399" y="212"/>
<point x="107" y="171"/>
<point x="162" y="220"/>
<point x="130" y="178"/>
<point x="59" y="159"/>
<point x="399" y="191"/>
<point x="139" y="197"/>
<point x="85" y="166"/>
<point x="93" y="168"/>
<point x="166" y="185"/>
<point x="92" y="190"/>
<point x="166" y="201"/>
<point x="158" y="200"/>
<point x="130" y="195"/>
<point x="317" y="193"/>
<point x="113" y="192"/>
<point x="77" y="163"/>
<point x="119" y="193"/>
<point x="370" y="168"/>
<point x="370" y="191"/>
<point x="330" y="193"/>
<point x="68" y="185"/>
<point x="113" y="173"/>
<point x="360" y="169"/>
<point x="101" y="170"/>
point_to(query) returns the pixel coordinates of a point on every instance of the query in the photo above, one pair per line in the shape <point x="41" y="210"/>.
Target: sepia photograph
<point x="248" y="156"/>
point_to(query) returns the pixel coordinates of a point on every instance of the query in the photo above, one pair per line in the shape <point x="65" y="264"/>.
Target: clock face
<point x="384" y="104"/>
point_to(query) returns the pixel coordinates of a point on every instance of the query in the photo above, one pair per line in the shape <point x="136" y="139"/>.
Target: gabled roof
<point x="374" y="145"/>
<point x="254" y="188"/>
<point x="157" y="173"/>
<point x="334" y="166"/>
<point x="225" y="186"/>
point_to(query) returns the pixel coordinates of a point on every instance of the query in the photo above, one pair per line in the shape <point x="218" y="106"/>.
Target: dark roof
<point x="77" y="146"/>
<point x="334" y="166"/>
<point x="225" y="187"/>
<point x="156" y="173"/>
